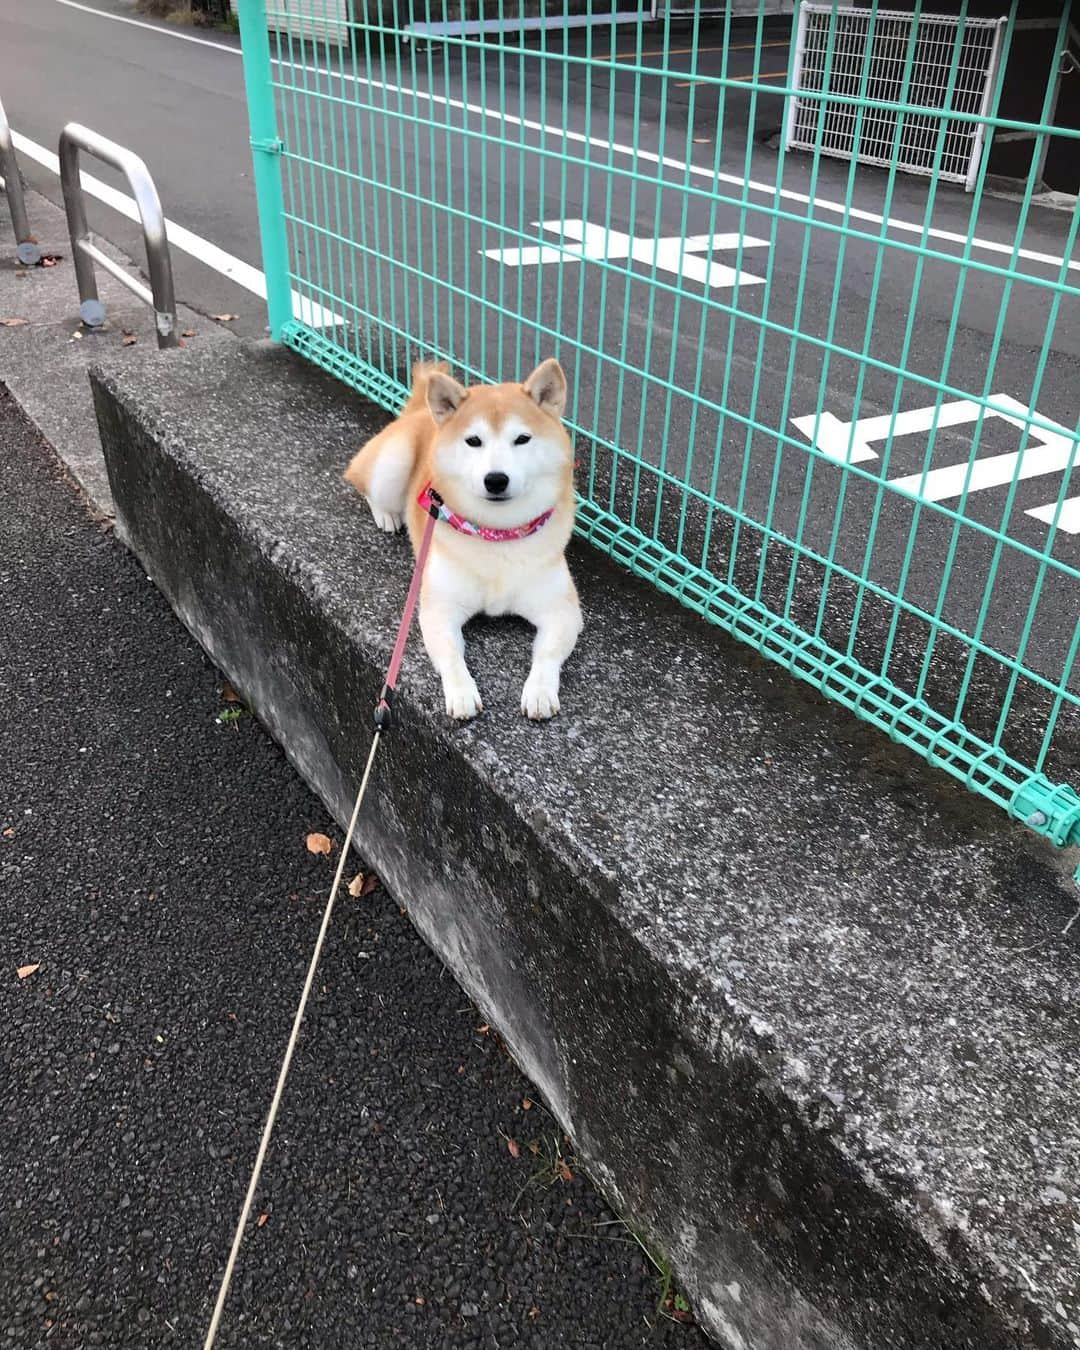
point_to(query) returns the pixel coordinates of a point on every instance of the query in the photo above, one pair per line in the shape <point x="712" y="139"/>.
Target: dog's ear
<point x="546" y="386"/>
<point x="444" y="395"/>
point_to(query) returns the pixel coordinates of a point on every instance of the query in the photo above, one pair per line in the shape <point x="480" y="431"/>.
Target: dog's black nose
<point x="496" y="483"/>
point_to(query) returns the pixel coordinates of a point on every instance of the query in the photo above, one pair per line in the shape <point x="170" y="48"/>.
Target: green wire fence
<point x="816" y="303"/>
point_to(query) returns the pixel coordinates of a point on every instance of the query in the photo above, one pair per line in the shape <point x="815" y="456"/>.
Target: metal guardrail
<point x="160" y="295"/>
<point x="26" y="250"/>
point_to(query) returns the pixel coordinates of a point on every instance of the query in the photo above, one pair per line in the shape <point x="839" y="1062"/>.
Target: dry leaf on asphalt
<point x="526" y="1104"/>
<point x="371" y="883"/>
<point x="49" y="259"/>
<point x="514" y="1147"/>
<point x="318" y="843"/>
<point x="228" y="693"/>
<point x="562" y="1171"/>
<point x="9" y="833"/>
<point x="13" y="323"/>
<point x="25" y="971"/>
<point x="224" y="318"/>
<point x="261" y="1220"/>
<point x="188" y="332"/>
<point x="128" y="338"/>
<point x="356" y="886"/>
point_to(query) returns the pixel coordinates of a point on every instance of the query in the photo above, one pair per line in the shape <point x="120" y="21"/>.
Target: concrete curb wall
<point x="805" y="1008"/>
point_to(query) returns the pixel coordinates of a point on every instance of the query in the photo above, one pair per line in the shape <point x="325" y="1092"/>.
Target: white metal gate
<point x="323" y="20"/>
<point x="749" y="8"/>
<point x="874" y="56"/>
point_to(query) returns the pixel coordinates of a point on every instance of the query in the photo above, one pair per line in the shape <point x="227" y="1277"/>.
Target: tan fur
<point x="466" y="574"/>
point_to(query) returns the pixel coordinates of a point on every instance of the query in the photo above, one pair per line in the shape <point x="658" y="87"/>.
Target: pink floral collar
<point x="434" y="505"/>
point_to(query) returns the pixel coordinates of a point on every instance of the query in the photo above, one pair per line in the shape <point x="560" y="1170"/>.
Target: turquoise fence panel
<point x="814" y="281"/>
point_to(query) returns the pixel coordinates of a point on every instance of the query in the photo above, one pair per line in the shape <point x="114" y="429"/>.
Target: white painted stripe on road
<point x="250" y="278"/>
<point x="1050" y="454"/>
<point x="153" y="27"/>
<point x="650" y="157"/>
<point x="1069" y="520"/>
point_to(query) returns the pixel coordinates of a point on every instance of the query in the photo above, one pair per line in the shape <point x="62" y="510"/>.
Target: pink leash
<point x="383" y="710"/>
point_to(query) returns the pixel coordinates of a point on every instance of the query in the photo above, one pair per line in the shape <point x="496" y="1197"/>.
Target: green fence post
<point x="266" y="155"/>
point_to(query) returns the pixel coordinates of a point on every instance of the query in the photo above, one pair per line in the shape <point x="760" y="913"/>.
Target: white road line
<point x="675" y="255"/>
<point x="1054" y="455"/>
<point x="1069" y="520"/>
<point x="648" y="156"/>
<point x="250" y="278"/>
<point x="153" y="27"/>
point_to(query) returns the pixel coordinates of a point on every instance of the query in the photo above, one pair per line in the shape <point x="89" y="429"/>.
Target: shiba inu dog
<point x="495" y="464"/>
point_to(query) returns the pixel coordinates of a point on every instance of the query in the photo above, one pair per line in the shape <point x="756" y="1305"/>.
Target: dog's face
<point x="501" y="454"/>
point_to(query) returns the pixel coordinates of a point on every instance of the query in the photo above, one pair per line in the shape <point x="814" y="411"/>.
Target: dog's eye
<point x="474" y="441"/>
<point x="523" y="439"/>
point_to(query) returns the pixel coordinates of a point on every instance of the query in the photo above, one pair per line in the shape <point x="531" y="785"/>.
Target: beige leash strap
<point x="279" y="1091"/>
<point x="383" y="720"/>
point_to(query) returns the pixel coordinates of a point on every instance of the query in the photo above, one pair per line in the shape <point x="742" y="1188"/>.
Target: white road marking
<point x="635" y="153"/>
<point x="670" y="254"/>
<point x="1046" y="452"/>
<point x="153" y="27"/>
<point x="250" y="278"/>
<point x="1051" y="448"/>
<point x="1069" y="520"/>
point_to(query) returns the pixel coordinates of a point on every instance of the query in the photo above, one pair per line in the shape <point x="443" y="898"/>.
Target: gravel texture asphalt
<point x="154" y="871"/>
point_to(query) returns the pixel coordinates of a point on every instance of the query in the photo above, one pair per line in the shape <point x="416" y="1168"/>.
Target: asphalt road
<point x="153" y="870"/>
<point x="417" y="191"/>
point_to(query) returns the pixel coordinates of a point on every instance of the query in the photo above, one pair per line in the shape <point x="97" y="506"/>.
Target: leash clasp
<point x="384" y="712"/>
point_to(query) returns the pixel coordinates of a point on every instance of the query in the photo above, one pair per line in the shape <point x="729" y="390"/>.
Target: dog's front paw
<point x="386" y="520"/>
<point x="540" y="697"/>
<point x="462" y="699"/>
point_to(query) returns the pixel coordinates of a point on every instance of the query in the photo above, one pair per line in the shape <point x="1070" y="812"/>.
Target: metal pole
<point x="73" y="139"/>
<point x="795" y="75"/>
<point x="26" y="247"/>
<point x="266" y="148"/>
<point x="987" y="106"/>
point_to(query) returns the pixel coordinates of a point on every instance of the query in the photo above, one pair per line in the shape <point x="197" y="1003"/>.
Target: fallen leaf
<point x="514" y="1147"/>
<point x="371" y="883"/>
<point x="261" y="1220"/>
<point x="128" y="339"/>
<point x="534" y="1313"/>
<point x="13" y="323"/>
<point x="526" y="1104"/>
<point x="318" y="843"/>
<point x="482" y="1031"/>
<point x="9" y="833"/>
<point x="228" y="693"/>
<point x="534" y="1149"/>
<point x="224" y="318"/>
<point x="562" y="1171"/>
<point x="189" y="332"/>
<point x="24" y="972"/>
<point x="77" y="336"/>
<point x="420" y="1300"/>
<point x="356" y="886"/>
<point x="49" y="259"/>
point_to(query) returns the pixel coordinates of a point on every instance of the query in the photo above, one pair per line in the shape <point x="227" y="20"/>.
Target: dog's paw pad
<point x="463" y="701"/>
<point x="539" y="699"/>
<point x="387" y="521"/>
